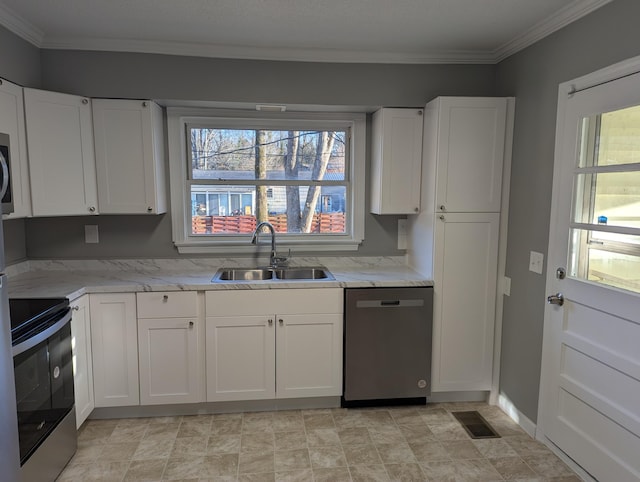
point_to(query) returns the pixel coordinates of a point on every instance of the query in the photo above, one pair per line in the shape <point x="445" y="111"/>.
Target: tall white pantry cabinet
<point x="455" y="238"/>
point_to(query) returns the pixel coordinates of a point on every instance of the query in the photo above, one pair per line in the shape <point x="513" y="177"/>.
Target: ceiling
<point x="390" y="31"/>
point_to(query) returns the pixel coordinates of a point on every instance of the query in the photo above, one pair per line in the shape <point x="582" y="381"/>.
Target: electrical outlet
<point x="91" y="233"/>
<point x="536" y="262"/>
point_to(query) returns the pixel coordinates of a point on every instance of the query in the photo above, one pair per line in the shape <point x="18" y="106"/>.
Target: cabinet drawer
<point x="168" y="304"/>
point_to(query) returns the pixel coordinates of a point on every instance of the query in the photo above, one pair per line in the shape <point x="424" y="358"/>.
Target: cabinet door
<point x="470" y="153"/>
<point x="170" y="365"/>
<point x="309" y="355"/>
<point x="82" y="365"/>
<point x="129" y="156"/>
<point x="12" y="123"/>
<point x="396" y="161"/>
<point x="240" y="358"/>
<point x="466" y="258"/>
<point x="61" y="158"/>
<point x="114" y="343"/>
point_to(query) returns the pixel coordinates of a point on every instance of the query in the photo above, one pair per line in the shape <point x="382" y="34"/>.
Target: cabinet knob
<point x="419" y="112"/>
<point x="191" y="324"/>
<point x="441" y="217"/>
<point x="270" y="321"/>
<point x="145" y="104"/>
<point x="0" y="81"/>
<point x="149" y="209"/>
<point x="281" y="321"/>
<point x="442" y="207"/>
<point x="165" y="298"/>
<point x="416" y="210"/>
<point x="92" y="209"/>
<point x="85" y="101"/>
<point x="75" y="308"/>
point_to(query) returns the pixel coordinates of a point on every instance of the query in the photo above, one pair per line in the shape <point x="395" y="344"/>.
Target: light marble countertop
<point x="73" y="278"/>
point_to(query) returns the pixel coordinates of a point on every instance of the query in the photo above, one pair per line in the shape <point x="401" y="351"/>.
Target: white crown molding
<point x="261" y="53"/>
<point x="572" y="12"/>
<point x="21" y="27"/>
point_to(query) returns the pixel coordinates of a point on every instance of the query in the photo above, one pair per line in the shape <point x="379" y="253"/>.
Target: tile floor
<point x="391" y="444"/>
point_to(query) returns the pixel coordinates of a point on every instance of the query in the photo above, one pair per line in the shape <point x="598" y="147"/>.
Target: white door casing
<point x="590" y="381"/>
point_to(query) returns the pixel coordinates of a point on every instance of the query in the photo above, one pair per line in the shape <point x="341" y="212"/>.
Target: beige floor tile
<point x="354" y="436"/>
<point x="145" y="470"/>
<point x="150" y="449"/>
<point x="263" y="477"/>
<point x="479" y="470"/>
<point x="194" y="428"/>
<point x="257" y="442"/>
<point x="288" y="421"/>
<point x="118" y="451"/>
<point x="399" y="453"/>
<point x="349" y="418"/>
<point x="386" y="434"/>
<point x="316" y="421"/>
<point x="368" y="473"/>
<point x="95" y="434"/>
<point x="185" y="468"/>
<point x="429" y="451"/>
<point x="361" y="455"/>
<point x="416" y="433"/>
<point x="378" y="418"/>
<point x="322" y="436"/>
<point x="255" y="422"/>
<point x="340" y="474"/>
<point x="189" y="446"/>
<point x="461" y="449"/>
<point x="547" y="465"/>
<point x="494" y="448"/>
<point x="512" y="467"/>
<point x="223" y="444"/>
<point x="406" y="416"/>
<point x="226" y="426"/>
<point x="436" y="416"/>
<point x="290" y="440"/>
<point x="252" y="462"/>
<point x="286" y="460"/>
<point x="525" y="445"/>
<point x="221" y="465"/>
<point x="294" y="476"/>
<point x="405" y="472"/>
<point x="448" y="431"/>
<point x="128" y="433"/>
<point x="327" y="457"/>
<point x="159" y="431"/>
<point x="106" y="471"/>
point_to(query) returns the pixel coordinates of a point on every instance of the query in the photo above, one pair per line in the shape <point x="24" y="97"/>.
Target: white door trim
<point x="608" y="74"/>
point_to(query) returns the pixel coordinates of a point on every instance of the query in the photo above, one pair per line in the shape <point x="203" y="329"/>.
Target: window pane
<point x="608" y="198"/>
<point x="610" y="263"/>
<point x="304" y="209"/>
<point x="233" y="154"/>
<point x="612" y="138"/>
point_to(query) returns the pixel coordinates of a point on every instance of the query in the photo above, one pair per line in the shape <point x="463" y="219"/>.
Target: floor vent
<point x="475" y="425"/>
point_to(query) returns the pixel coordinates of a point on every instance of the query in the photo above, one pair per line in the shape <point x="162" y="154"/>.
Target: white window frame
<point x="178" y="118"/>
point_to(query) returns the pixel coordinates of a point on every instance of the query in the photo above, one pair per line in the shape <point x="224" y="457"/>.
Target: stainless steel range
<point x="43" y="369"/>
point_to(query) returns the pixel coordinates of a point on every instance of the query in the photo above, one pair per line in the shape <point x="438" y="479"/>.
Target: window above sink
<point x="231" y="169"/>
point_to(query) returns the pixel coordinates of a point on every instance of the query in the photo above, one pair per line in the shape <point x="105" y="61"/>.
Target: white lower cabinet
<point x="114" y="343"/>
<point x="82" y="365"/>
<point x="465" y="271"/>
<point x="263" y="344"/>
<point x="170" y="348"/>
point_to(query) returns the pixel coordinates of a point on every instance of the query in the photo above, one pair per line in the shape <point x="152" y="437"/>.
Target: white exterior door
<point x="590" y="390"/>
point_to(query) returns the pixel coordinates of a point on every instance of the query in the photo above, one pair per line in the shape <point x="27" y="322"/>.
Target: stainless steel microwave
<point x="5" y="174"/>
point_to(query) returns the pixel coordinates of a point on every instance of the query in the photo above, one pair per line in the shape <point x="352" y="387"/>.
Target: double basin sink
<point x="316" y="273"/>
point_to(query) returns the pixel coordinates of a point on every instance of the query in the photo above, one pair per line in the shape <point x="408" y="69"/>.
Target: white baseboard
<point x="510" y="409"/>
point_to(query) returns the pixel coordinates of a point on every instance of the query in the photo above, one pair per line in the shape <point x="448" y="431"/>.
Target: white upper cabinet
<point x="469" y="135"/>
<point x="396" y="157"/>
<point x="61" y="155"/>
<point x="12" y="123"/>
<point x="129" y="146"/>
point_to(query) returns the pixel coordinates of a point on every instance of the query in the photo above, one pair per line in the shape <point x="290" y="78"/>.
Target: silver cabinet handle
<point x="149" y="209"/>
<point x="92" y="209"/>
<point x="270" y="321"/>
<point x="5" y="175"/>
<point x="85" y="101"/>
<point x="165" y="298"/>
<point x="442" y="207"/>
<point x="145" y="103"/>
<point x="556" y="299"/>
<point x="191" y="324"/>
<point x="441" y="217"/>
<point x="281" y="321"/>
<point x="75" y="308"/>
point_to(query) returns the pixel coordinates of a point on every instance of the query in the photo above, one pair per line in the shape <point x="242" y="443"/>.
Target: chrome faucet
<point x="274" y="259"/>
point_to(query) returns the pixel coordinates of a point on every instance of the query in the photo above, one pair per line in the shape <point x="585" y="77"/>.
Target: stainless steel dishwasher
<point x="387" y="345"/>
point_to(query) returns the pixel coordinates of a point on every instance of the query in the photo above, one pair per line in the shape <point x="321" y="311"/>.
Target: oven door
<point x="44" y="383"/>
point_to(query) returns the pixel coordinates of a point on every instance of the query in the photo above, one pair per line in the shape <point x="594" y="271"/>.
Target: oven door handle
<point x="43" y="335"/>
<point x="5" y="176"/>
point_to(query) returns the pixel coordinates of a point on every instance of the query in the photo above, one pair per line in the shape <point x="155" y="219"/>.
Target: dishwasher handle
<point x="389" y="303"/>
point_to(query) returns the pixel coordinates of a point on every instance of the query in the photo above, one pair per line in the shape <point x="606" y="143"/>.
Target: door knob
<point x="556" y="299"/>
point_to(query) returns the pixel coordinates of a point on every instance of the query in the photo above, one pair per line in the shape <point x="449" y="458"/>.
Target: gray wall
<point x="19" y="63"/>
<point x="607" y="36"/>
<point x="110" y="74"/>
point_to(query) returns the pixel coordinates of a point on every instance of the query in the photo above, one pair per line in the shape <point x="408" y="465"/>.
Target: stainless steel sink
<point x="243" y="274"/>
<point x="303" y="273"/>
<point x="269" y="274"/>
